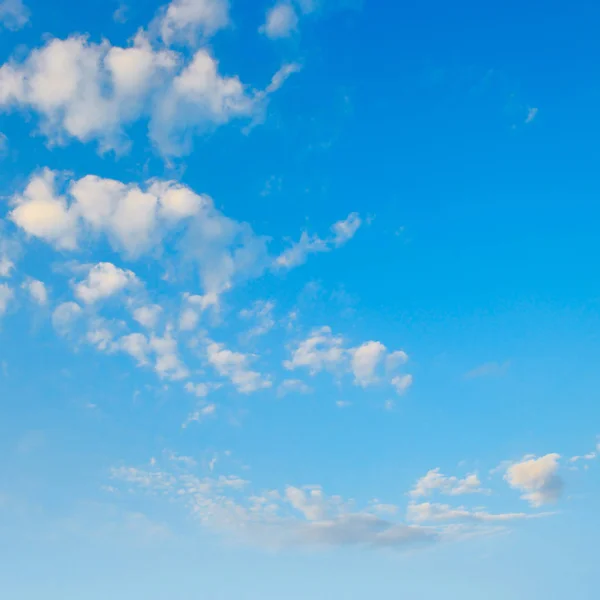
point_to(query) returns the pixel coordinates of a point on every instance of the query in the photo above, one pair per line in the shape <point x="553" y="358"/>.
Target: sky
<point x="299" y="299"/>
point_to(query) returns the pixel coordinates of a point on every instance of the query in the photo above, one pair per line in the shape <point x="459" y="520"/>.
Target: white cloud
<point x="236" y="367"/>
<point x="321" y="350"/>
<point x="65" y="316"/>
<point x="137" y="346"/>
<point x="84" y="90"/>
<point x="14" y="14"/>
<point x="37" y="290"/>
<point x="168" y="364"/>
<point x="103" y="280"/>
<point x="345" y="230"/>
<point x="186" y="21"/>
<point x="365" y="360"/>
<point x="41" y="213"/>
<point x="6" y="296"/>
<point x="91" y="92"/>
<point x="490" y="369"/>
<point x="281" y="21"/>
<point x="434" y="481"/>
<point x="531" y="115"/>
<point x="147" y="316"/>
<point x="137" y="219"/>
<point x="297" y="253"/>
<point x="537" y="478"/>
<point x="401" y="383"/>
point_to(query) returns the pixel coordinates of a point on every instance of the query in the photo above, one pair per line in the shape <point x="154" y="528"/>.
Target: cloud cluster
<point x="136" y="220"/>
<point x="93" y="91"/>
<point x="370" y="363"/>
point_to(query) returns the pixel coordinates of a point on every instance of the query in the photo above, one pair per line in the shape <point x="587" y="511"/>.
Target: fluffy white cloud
<point x="43" y="214"/>
<point x="6" y="296"/>
<point x="324" y="351"/>
<point x="236" y="367"/>
<point x="365" y="360"/>
<point x="537" y="478"/>
<point x="185" y="21"/>
<point x="147" y="316"/>
<point x="137" y="219"/>
<point x="87" y="91"/>
<point x="321" y="350"/>
<point x="14" y="14"/>
<point x="103" y="280"/>
<point x="297" y="253"/>
<point x="84" y="90"/>
<point x="281" y="21"/>
<point x="434" y="481"/>
<point x="37" y="290"/>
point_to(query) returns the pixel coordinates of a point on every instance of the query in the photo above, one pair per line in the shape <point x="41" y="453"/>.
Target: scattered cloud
<point x="37" y="291"/>
<point x="370" y="363"/>
<point x="235" y="366"/>
<point x="537" y="478"/>
<point x="189" y="21"/>
<point x="14" y="15"/>
<point x="93" y="91"/>
<point x="531" y="115"/>
<point x="103" y="281"/>
<point x="281" y="21"/>
<point x="436" y="482"/>
<point x="297" y="253"/>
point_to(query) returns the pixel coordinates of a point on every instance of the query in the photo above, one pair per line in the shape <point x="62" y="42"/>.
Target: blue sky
<point x="298" y="299"/>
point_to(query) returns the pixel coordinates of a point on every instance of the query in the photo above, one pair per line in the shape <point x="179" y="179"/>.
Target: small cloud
<point x="491" y="369"/>
<point x="343" y="404"/>
<point x="120" y="15"/>
<point x="14" y="15"/>
<point x="531" y="115"/>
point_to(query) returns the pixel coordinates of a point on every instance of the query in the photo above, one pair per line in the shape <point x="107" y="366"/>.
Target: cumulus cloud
<point x="370" y="363"/>
<point x="297" y="253"/>
<point x="187" y="21"/>
<point x="103" y="280"/>
<point x="147" y="316"/>
<point x="435" y="481"/>
<point x="14" y="14"/>
<point x="137" y="219"/>
<point x="235" y="366"/>
<point x="293" y="386"/>
<point x="281" y="21"/>
<point x="537" y="478"/>
<point x="93" y="91"/>
<point x="37" y="291"/>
